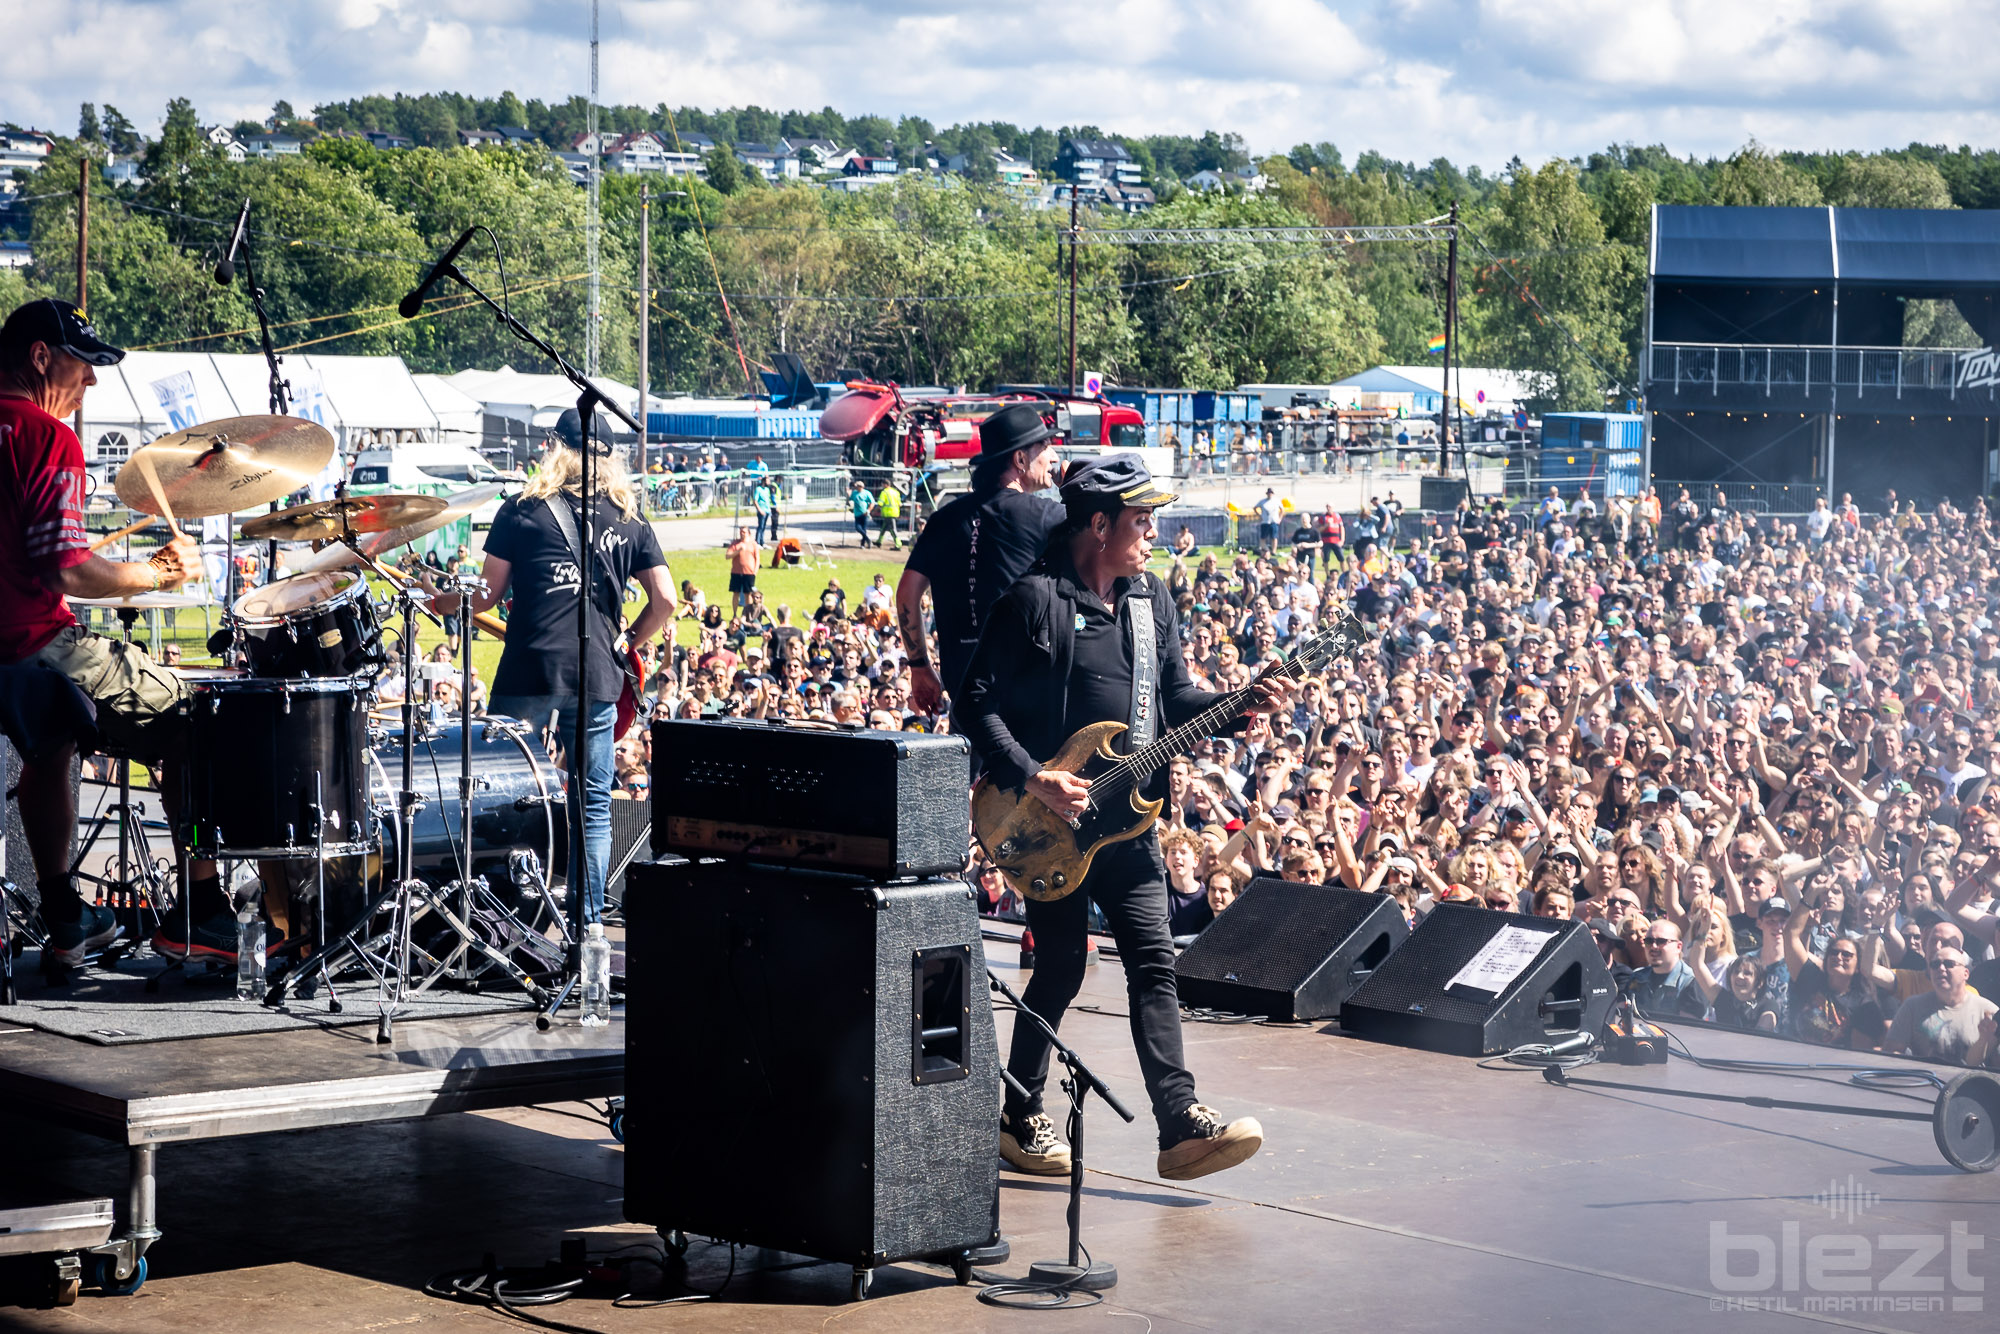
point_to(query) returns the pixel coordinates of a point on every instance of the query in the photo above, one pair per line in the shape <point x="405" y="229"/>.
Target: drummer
<point x="49" y="355"/>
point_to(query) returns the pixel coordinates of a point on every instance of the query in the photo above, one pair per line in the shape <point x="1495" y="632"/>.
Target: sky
<point x="1477" y="81"/>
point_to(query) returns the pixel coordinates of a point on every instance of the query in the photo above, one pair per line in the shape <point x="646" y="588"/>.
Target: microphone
<point x="226" y="270"/>
<point x="414" y="302"/>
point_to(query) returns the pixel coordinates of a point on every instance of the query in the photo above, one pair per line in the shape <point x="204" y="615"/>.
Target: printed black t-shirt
<point x="540" y="657"/>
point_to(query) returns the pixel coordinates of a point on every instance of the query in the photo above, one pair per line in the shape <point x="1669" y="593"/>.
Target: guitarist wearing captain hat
<point x="1057" y="654"/>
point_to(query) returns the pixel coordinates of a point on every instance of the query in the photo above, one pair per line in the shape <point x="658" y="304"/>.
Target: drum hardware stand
<point x="131" y="885"/>
<point x="588" y="399"/>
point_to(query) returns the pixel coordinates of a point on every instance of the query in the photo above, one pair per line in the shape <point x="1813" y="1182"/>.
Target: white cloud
<point x="1474" y="80"/>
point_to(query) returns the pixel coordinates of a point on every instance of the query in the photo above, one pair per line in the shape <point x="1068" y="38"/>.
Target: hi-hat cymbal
<point x="321" y="520"/>
<point x="456" y="507"/>
<point x="220" y="467"/>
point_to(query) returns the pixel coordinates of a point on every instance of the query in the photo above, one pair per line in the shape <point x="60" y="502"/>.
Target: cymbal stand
<point x="457" y="964"/>
<point x="408" y="803"/>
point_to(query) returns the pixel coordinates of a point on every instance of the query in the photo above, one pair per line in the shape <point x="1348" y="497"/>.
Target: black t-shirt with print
<point x="540" y="656"/>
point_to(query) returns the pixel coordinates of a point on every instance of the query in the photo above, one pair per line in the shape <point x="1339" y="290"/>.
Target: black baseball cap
<point x="569" y="431"/>
<point x="1111" y="482"/>
<point x="59" y="324"/>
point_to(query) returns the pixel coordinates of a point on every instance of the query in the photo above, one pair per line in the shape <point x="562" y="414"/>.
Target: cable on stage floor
<point x="1019" y="1295"/>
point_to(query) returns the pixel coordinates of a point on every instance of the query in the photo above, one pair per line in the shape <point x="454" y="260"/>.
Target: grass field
<point x="709" y="569"/>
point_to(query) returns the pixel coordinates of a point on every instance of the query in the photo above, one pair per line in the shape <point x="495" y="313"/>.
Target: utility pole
<point x="1072" y="287"/>
<point x="645" y="310"/>
<point x="82" y="252"/>
<point x="1447" y="411"/>
<point x="593" y="221"/>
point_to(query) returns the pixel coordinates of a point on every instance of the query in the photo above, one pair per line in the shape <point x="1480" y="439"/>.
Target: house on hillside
<point x="269" y="146"/>
<point x="224" y="139"/>
<point x="881" y="168"/>
<point x="1127" y="198"/>
<point x="515" y="137"/>
<point x="1092" y="162"/>
<point x="819" y="155"/>
<point x="480" y="139"/>
<point x="24" y="150"/>
<point x="381" y="139"/>
<point x="772" y="162"/>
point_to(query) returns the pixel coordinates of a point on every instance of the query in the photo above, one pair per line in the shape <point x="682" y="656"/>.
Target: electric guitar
<point x="1044" y="855"/>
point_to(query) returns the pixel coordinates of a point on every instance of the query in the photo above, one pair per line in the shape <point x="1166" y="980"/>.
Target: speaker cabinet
<point x="1474" y="982"/>
<point x="810" y="1062"/>
<point x="1289" y="951"/>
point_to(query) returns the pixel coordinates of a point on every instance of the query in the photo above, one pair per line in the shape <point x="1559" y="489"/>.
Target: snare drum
<point x="262" y="753"/>
<point x="310" y="625"/>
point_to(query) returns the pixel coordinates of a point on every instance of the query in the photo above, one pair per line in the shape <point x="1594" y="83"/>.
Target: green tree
<point x="1752" y="175"/>
<point x="723" y="172"/>
<point x="119" y="133"/>
<point x="1881" y="181"/>
<point x="87" y="128"/>
<point x="1553" y="283"/>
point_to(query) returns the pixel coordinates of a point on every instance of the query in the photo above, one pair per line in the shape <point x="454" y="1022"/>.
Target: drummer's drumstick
<point x="126" y="531"/>
<point x="159" y="495"/>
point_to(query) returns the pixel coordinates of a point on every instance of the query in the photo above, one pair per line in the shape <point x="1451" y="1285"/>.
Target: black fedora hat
<point x="1016" y="426"/>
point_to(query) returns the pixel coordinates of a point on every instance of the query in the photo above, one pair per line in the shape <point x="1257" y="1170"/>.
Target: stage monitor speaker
<point x="1440" y="493"/>
<point x="1289" y="951"/>
<point x="810" y="1062"/>
<point x="1474" y="982"/>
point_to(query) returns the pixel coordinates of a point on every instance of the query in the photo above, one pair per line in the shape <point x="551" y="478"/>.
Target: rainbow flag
<point x="1434" y="344"/>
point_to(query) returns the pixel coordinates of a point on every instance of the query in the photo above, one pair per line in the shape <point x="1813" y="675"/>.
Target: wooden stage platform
<point x="1397" y="1190"/>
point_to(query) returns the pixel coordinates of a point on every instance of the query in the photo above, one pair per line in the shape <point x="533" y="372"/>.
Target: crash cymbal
<point x="322" y="520"/>
<point x="219" y="467"/>
<point x="155" y="601"/>
<point x="456" y="507"/>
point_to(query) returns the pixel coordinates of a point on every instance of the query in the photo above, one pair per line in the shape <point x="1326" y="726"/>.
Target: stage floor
<point x="1397" y="1189"/>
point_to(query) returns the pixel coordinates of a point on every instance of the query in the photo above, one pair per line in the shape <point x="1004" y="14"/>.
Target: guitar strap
<point x="1145" y="668"/>
<point x="566" y="521"/>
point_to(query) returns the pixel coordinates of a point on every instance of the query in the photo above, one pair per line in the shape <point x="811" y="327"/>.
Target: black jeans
<point x="1128" y="882"/>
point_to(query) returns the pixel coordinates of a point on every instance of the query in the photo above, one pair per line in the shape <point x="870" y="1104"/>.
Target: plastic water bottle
<point x="596" y="977"/>
<point x="249" y="953"/>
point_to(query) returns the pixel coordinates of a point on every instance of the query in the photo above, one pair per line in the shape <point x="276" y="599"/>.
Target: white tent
<point x="367" y="402"/>
<point x="534" y="400"/>
<point x="460" y="416"/>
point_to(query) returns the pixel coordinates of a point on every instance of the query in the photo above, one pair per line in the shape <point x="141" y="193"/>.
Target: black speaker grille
<point x="1275" y="935"/>
<point x="1444" y="943"/>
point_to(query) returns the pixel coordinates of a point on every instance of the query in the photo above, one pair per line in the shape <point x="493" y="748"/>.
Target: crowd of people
<point x="1758" y="755"/>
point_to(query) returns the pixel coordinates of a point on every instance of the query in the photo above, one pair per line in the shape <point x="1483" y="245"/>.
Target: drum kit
<point x="286" y="758"/>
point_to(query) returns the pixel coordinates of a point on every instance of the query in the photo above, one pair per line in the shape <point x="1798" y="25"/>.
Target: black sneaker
<point x="214" y="938"/>
<point x="1029" y="1144"/>
<point x="70" y="942"/>
<point x="1197" y="1142"/>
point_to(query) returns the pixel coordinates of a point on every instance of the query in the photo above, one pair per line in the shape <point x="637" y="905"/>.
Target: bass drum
<point x="516" y="803"/>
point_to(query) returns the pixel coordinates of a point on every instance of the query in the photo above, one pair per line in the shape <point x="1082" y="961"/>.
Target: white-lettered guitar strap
<point x="1145" y="669"/>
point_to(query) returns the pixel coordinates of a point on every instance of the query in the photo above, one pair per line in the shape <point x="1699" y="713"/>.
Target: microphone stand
<point x="280" y="393"/>
<point x="588" y="399"/>
<point x="1073" y="1275"/>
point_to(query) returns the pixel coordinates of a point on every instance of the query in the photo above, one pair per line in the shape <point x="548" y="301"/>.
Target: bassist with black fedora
<point x="1058" y="653"/>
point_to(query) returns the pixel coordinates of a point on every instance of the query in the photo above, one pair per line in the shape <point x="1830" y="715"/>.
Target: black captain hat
<point x="1111" y="482"/>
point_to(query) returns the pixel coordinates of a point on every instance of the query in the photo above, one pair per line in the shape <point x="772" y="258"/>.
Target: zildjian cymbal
<point x="457" y="506"/>
<point x="220" y="467"/>
<point x="324" y="520"/>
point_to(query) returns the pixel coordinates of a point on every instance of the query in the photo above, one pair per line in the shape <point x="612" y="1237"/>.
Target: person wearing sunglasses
<point x="1831" y="1005"/>
<point x="1665" y="986"/>
<point x="1950" y="1023"/>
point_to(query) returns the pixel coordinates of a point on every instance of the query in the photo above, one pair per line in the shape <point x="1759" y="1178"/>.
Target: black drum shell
<point x="262" y="752"/>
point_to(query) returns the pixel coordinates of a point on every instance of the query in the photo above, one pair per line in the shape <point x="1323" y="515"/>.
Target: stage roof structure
<point x="1908" y="248"/>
